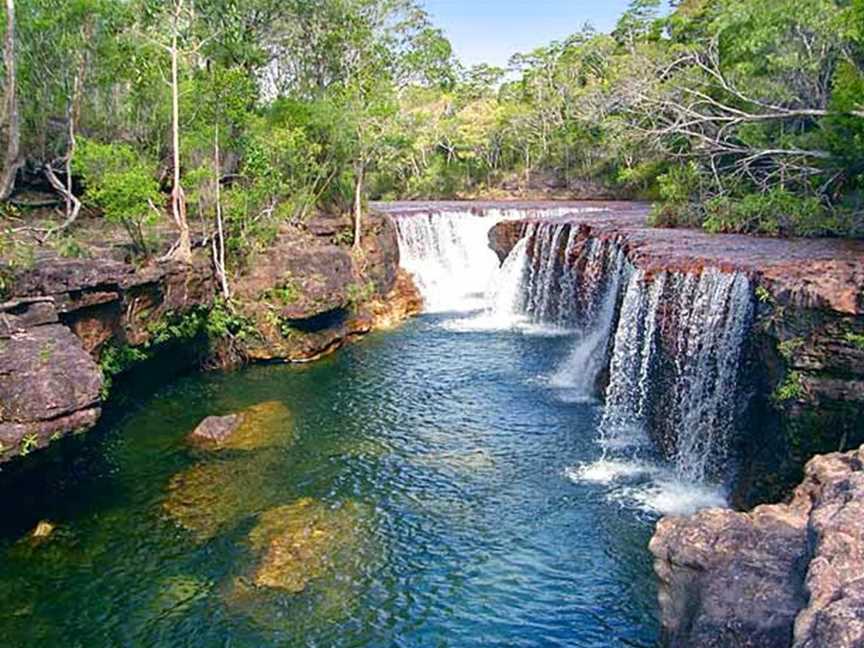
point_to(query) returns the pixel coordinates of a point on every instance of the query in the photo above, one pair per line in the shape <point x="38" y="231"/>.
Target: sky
<point x="490" y="31"/>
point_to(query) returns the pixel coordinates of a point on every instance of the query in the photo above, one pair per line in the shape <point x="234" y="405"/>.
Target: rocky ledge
<point x="68" y="325"/>
<point x="805" y="352"/>
<point x="782" y="575"/>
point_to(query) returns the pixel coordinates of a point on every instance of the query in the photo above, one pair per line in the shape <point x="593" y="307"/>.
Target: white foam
<point x="607" y="471"/>
<point x="672" y="497"/>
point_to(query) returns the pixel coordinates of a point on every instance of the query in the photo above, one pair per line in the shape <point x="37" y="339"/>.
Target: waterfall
<point x="603" y="273"/>
<point x="449" y="257"/>
<point x="671" y="343"/>
<point x="674" y="367"/>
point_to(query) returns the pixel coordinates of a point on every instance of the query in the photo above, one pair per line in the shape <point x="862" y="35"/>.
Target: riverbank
<point x="70" y="326"/>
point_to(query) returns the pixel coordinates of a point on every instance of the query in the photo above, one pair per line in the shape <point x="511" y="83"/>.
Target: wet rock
<point x="258" y="426"/>
<point x="401" y="303"/>
<point x="213" y="496"/>
<point x="215" y="430"/>
<point x="43" y="530"/>
<point x="300" y="542"/>
<point x="49" y="386"/>
<point x="782" y="575"/>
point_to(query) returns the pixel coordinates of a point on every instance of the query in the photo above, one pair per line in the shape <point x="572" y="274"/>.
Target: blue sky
<point x="490" y="31"/>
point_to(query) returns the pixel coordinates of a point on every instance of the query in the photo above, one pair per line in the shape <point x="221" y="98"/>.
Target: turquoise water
<point x="438" y="457"/>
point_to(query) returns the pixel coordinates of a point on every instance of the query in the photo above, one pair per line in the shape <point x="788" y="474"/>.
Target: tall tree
<point x="12" y="160"/>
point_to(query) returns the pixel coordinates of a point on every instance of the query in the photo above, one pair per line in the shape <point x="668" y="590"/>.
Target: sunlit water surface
<point x="459" y="462"/>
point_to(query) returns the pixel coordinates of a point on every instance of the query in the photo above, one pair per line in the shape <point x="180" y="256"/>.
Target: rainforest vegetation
<point x="230" y="117"/>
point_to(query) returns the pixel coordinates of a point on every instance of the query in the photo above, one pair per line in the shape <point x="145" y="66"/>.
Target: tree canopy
<point x="735" y="115"/>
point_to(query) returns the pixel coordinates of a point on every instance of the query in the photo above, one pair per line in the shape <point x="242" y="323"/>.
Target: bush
<point x="121" y="183"/>
<point x="776" y="213"/>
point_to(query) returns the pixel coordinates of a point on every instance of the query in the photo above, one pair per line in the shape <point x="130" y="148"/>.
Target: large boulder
<point x="49" y="386"/>
<point x="263" y="425"/>
<point x="782" y="575"/>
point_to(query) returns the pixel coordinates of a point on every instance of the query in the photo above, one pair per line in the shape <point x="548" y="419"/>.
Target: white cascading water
<point x="449" y="257"/>
<point x="706" y="316"/>
<point x="605" y="270"/>
<point x="672" y="342"/>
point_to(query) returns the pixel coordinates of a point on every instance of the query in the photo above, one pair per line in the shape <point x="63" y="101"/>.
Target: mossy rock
<point x="263" y="425"/>
<point x="300" y="542"/>
<point x="212" y="496"/>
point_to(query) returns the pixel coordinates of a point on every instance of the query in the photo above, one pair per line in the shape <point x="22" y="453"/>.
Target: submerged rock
<point x="262" y="425"/>
<point x="782" y="575"/>
<point x="210" y="497"/>
<point x="300" y="542"/>
<point x="43" y="530"/>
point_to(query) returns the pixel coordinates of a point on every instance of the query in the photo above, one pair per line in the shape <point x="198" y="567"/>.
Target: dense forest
<point x="233" y="117"/>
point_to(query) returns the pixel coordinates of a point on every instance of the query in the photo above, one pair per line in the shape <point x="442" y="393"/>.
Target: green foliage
<point x="170" y="329"/>
<point x="764" y="295"/>
<point x="310" y="102"/>
<point x="223" y="322"/>
<point x="68" y="247"/>
<point x="788" y="348"/>
<point x="287" y="292"/>
<point x="29" y="442"/>
<point x="792" y="388"/>
<point x="360" y="293"/>
<point x="115" y="360"/>
<point x="120" y="182"/>
<point x="856" y="340"/>
<point x="776" y="212"/>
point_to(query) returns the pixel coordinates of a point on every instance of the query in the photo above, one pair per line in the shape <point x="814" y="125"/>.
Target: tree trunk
<point x="219" y="242"/>
<point x="358" y="205"/>
<point x="12" y="160"/>
<point x="183" y="251"/>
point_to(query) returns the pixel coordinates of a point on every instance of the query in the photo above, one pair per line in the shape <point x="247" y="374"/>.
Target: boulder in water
<point x="300" y="542"/>
<point x="262" y="425"/>
<point x="212" y="496"/>
<point x="215" y="430"/>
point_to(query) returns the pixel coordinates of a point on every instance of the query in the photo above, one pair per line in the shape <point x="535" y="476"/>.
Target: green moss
<point x="788" y="348"/>
<point x="285" y="293"/>
<point x="792" y="388"/>
<point x="856" y="340"/>
<point x="360" y="293"/>
<point x="28" y="444"/>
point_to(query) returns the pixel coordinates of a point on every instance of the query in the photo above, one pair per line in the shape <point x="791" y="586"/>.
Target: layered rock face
<point x="782" y="575"/>
<point x="60" y="317"/>
<point x="312" y="295"/>
<point x="304" y="296"/>
<point x="804" y="355"/>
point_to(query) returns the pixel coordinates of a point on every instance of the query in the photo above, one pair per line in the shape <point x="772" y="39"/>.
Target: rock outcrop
<point x="782" y="575"/>
<point x="264" y="425"/>
<point x="805" y="352"/>
<point x="49" y="386"/>
<point x="303" y="297"/>
<point x="308" y="295"/>
<point x="59" y="317"/>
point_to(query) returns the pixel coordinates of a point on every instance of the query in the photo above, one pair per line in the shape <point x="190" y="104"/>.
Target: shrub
<point x="777" y="212"/>
<point x="121" y="183"/>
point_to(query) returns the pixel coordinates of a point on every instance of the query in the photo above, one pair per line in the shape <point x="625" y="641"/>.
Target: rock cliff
<point x="782" y="575"/>
<point x="805" y="350"/>
<point x="68" y="325"/>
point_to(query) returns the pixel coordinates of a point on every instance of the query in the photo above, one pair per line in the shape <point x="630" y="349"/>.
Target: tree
<point x="12" y="160"/>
